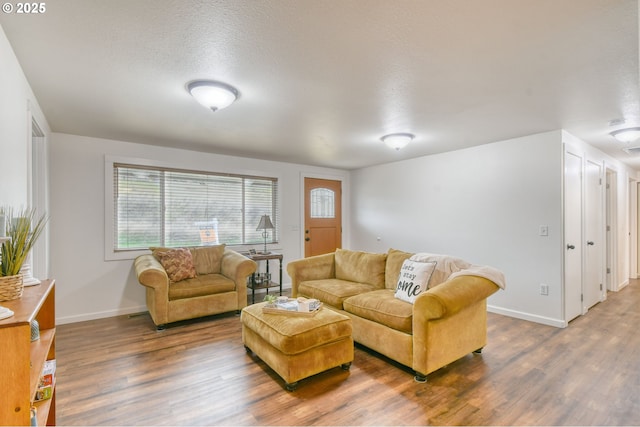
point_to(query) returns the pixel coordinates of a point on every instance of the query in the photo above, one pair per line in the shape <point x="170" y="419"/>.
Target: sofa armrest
<point x="449" y="321"/>
<point x="237" y="267"/>
<point x="311" y="268"/>
<point x="151" y="274"/>
<point x="452" y="296"/>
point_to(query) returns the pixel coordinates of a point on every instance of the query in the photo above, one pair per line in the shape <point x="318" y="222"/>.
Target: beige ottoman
<point x="296" y="347"/>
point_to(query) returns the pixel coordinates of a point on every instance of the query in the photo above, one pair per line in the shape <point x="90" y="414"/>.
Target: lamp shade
<point x="397" y="140"/>
<point x="213" y="95"/>
<point x="265" y="223"/>
<point x="626" y="135"/>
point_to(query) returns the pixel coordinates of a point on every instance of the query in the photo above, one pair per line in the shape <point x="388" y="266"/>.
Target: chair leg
<point x="161" y="327"/>
<point x="346" y="366"/>
<point x="420" y="378"/>
<point x="478" y="351"/>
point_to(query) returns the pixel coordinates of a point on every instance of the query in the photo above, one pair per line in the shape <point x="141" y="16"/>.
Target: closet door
<point x="594" y="244"/>
<point x="572" y="235"/>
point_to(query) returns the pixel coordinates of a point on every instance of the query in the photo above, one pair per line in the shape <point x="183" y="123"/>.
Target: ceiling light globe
<point x="397" y="140"/>
<point x="213" y="95"/>
<point x="626" y="135"/>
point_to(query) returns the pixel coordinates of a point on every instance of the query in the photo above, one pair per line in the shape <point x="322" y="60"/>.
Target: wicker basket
<point x="11" y="287"/>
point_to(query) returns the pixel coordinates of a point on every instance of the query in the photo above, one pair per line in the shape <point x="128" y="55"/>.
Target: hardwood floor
<point x="121" y="371"/>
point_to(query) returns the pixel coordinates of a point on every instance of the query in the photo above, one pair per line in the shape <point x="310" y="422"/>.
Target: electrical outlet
<point x="544" y="289"/>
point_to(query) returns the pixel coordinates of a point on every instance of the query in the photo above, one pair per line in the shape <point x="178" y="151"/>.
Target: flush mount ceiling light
<point x="626" y="135"/>
<point x="212" y="94"/>
<point x="397" y="140"/>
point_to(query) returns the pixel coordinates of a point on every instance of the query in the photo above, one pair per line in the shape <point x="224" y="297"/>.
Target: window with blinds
<point x="166" y="207"/>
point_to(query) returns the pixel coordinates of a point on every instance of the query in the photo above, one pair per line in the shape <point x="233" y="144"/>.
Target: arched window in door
<point x="323" y="203"/>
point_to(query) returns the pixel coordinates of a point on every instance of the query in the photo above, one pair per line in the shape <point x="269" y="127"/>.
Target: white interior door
<point x="631" y="237"/>
<point x="594" y="233"/>
<point x="572" y="235"/>
<point x="611" y="224"/>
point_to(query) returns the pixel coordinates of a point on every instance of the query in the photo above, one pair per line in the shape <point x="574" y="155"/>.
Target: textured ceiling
<point x="322" y="80"/>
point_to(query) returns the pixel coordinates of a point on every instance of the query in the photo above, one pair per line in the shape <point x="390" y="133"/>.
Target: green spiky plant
<point x="24" y="229"/>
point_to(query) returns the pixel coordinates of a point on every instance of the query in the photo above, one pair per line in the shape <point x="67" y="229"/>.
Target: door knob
<point x="570" y="247"/>
<point x="589" y="242"/>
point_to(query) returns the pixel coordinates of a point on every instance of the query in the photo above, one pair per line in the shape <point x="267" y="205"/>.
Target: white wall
<point x="89" y="287"/>
<point x="17" y="102"/>
<point x="484" y="204"/>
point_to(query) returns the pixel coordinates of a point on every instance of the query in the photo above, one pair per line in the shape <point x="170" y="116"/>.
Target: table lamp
<point x="265" y="224"/>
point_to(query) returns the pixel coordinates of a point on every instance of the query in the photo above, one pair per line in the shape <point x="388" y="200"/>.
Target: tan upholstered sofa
<point x="186" y="283"/>
<point x="444" y="323"/>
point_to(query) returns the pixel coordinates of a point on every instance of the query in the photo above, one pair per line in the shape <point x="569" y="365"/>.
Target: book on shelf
<point x="45" y="385"/>
<point x="44" y="393"/>
<point x="48" y="372"/>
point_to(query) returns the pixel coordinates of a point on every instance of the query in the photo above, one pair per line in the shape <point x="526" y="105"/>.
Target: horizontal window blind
<point x="171" y="207"/>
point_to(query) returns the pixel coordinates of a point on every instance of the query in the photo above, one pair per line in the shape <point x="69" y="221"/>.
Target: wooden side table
<point x="253" y="284"/>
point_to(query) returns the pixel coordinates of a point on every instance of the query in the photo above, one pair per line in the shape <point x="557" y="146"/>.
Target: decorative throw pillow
<point x="178" y="263"/>
<point x="414" y="279"/>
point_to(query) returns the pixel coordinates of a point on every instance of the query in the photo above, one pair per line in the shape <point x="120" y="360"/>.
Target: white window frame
<point x="110" y="254"/>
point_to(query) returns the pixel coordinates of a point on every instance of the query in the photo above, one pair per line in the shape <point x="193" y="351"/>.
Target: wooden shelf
<point x="39" y="354"/>
<point x="263" y="285"/>
<point x="45" y="408"/>
<point x="22" y="360"/>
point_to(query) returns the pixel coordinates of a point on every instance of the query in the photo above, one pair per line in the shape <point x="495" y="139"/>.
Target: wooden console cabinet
<point x="21" y="361"/>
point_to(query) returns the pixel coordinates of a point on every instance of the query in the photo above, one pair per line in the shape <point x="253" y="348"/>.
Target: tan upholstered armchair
<point x="186" y="283"/>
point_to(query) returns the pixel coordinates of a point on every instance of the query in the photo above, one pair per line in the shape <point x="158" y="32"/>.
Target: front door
<point x="322" y="216"/>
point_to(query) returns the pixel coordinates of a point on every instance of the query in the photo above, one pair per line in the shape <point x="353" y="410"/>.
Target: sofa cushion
<point x="332" y="291"/>
<point x="207" y="284"/>
<point x="178" y="263"/>
<point x="208" y="259"/>
<point x="395" y="258"/>
<point x="381" y="306"/>
<point x="361" y="267"/>
<point x="413" y="279"/>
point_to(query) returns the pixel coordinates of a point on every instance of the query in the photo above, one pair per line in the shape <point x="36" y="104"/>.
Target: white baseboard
<point x="558" y="323"/>
<point x="143" y="308"/>
<point x="100" y="315"/>
<point x="131" y="310"/>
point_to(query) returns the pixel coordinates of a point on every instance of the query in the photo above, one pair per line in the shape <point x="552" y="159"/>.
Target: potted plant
<point x="23" y="230"/>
